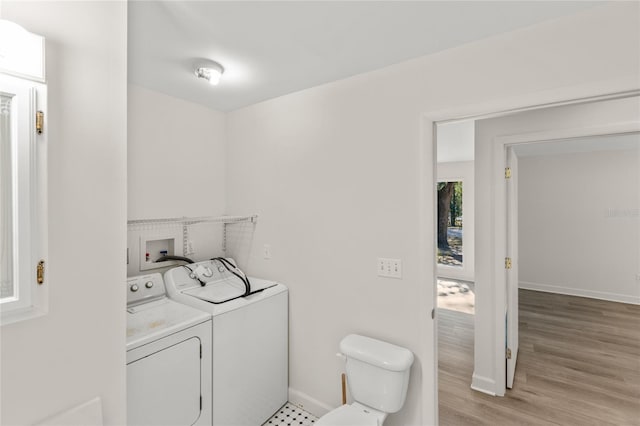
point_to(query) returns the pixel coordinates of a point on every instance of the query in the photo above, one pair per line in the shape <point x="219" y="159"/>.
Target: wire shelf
<point x="141" y="225"/>
<point x="194" y="220"/>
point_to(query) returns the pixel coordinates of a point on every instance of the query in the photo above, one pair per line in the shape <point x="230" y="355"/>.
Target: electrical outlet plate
<point x="389" y="268"/>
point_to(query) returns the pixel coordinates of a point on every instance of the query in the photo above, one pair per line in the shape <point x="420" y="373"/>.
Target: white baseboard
<point x="601" y="295"/>
<point x="307" y="403"/>
<point x="483" y="384"/>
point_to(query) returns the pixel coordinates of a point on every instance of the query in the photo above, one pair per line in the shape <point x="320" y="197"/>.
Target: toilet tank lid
<point x="376" y="352"/>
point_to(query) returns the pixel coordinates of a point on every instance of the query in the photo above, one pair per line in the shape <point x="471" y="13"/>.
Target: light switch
<point x="389" y="268"/>
<point x="396" y="268"/>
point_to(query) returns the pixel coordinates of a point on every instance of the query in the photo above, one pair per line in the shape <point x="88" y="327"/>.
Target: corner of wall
<point x="307" y="403"/>
<point x="483" y="384"/>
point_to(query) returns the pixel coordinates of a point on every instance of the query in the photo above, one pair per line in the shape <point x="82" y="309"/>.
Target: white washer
<point x="168" y="357"/>
<point x="250" y="340"/>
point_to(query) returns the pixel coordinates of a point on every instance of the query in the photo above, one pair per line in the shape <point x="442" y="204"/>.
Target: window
<point x="22" y="199"/>
<point x="22" y="187"/>
<point x="7" y="290"/>
<point x="450" y="223"/>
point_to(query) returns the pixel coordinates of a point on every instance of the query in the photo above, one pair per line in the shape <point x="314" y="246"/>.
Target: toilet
<point x="377" y="376"/>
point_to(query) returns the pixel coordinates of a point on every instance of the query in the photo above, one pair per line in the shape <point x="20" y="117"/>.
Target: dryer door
<point x="163" y="387"/>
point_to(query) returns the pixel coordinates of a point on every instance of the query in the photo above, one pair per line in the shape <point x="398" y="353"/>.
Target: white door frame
<point x="427" y="327"/>
<point x="500" y="204"/>
<point x="512" y="275"/>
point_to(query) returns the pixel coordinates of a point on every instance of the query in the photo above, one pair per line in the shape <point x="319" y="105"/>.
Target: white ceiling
<point x="271" y="48"/>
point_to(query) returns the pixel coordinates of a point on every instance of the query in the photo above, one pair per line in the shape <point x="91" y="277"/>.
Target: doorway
<point x="455" y="260"/>
<point x="455" y="213"/>
<point x="484" y="379"/>
<point x="454" y="293"/>
<point x="574" y="339"/>
<point x="496" y="136"/>
<point x="491" y="262"/>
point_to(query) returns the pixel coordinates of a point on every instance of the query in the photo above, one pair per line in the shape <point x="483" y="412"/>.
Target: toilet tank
<point x="377" y="372"/>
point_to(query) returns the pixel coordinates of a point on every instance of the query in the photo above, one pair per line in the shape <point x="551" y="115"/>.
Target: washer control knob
<point x="148" y="284"/>
<point x="134" y="287"/>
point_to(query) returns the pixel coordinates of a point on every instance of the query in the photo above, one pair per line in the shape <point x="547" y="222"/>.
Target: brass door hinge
<point x="507" y="173"/>
<point x="40" y="272"/>
<point x="508" y="353"/>
<point x="507" y="263"/>
<point x="39" y="122"/>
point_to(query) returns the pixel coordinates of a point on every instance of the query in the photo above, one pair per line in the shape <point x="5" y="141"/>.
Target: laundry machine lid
<point x="348" y="415"/>
<point x="225" y="290"/>
<point x="218" y="291"/>
<point x="258" y="284"/>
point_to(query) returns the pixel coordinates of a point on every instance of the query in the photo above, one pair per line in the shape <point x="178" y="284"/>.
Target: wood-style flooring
<point x="578" y="364"/>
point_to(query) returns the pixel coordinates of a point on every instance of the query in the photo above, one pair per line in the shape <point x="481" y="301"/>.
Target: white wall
<point x="176" y="168"/>
<point x="455" y="141"/>
<point x="453" y="172"/>
<point x="570" y="242"/>
<point x="335" y="172"/>
<point x="489" y="317"/>
<point x="76" y="351"/>
<point x="176" y="158"/>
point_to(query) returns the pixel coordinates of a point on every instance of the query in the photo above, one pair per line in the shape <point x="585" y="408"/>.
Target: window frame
<point x="29" y="160"/>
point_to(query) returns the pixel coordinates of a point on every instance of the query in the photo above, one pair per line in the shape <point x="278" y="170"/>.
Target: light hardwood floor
<point x="578" y="364"/>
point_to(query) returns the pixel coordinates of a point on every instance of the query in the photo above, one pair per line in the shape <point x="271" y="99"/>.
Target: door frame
<point x="501" y="200"/>
<point x="512" y="275"/>
<point x="427" y="159"/>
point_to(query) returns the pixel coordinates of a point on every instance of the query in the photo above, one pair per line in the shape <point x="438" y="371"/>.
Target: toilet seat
<point x="348" y="415"/>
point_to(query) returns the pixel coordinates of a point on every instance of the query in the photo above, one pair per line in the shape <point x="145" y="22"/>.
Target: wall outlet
<point x="389" y="268"/>
<point x="266" y="251"/>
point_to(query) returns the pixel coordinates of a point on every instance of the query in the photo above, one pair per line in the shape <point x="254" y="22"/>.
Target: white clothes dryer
<point x="168" y="357"/>
<point x="250" y="338"/>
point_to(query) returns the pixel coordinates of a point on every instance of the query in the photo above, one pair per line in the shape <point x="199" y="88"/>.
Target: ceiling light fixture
<point x="210" y="71"/>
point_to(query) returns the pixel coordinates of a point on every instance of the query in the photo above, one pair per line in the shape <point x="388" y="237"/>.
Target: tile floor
<point x="291" y="415"/>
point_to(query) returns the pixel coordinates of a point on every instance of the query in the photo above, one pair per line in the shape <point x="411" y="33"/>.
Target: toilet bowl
<point x="378" y="378"/>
